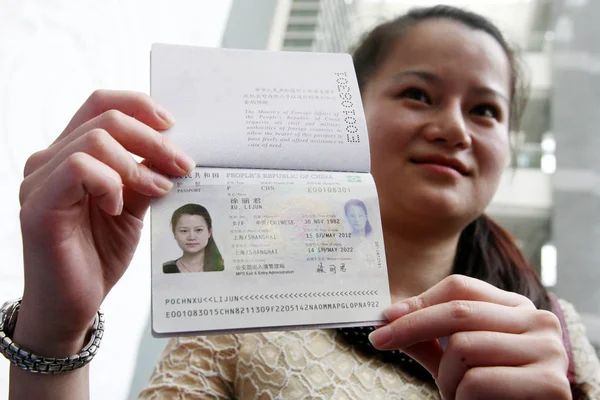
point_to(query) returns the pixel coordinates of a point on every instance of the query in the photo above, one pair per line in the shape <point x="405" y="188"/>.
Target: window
<point x="297" y="43"/>
<point x="304" y="13"/>
<point x="301" y="28"/>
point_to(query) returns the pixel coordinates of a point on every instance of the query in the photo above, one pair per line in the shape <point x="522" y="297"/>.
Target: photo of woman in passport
<point x="192" y="229"/>
<point x="358" y="218"/>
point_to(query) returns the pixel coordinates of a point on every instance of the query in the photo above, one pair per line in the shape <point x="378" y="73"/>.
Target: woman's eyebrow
<point x="424" y="75"/>
<point x="487" y="91"/>
<point x="435" y="79"/>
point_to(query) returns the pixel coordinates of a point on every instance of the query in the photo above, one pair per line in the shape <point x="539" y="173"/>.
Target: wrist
<point x="58" y="357"/>
<point x="36" y="337"/>
<point x="42" y="331"/>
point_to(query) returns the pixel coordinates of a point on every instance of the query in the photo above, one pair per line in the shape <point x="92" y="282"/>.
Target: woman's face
<point x="437" y="110"/>
<point x="192" y="233"/>
<point x="357" y="218"/>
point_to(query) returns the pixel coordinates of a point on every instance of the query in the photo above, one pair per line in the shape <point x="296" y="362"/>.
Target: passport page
<point x="262" y="109"/>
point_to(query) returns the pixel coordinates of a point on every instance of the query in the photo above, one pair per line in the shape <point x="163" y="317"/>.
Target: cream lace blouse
<point x="309" y="365"/>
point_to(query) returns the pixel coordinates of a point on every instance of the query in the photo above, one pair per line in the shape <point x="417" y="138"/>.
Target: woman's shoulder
<point x="212" y="360"/>
<point x="572" y="319"/>
<point x="170" y="267"/>
<point x="587" y="365"/>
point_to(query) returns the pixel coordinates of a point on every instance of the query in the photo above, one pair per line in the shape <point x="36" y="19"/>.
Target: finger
<point x="137" y="138"/>
<point x="134" y="136"/>
<point x="75" y="178"/>
<point x="428" y="354"/>
<point x="468" y="350"/>
<point x="457" y="287"/>
<point x="136" y="203"/>
<point x="102" y="146"/>
<point x="449" y="318"/>
<point x="500" y="383"/>
<point x="136" y="105"/>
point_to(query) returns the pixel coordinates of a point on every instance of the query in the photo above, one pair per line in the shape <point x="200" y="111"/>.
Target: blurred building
<point x="315" y="25"/>
<point x="294" y="25"/>
<point x="557" y="38"/>
<point x="575" y="119"/>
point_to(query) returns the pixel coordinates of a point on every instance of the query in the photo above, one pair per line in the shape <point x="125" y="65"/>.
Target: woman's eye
<point x="416" y="94"/>
<point x="487" y="111"/>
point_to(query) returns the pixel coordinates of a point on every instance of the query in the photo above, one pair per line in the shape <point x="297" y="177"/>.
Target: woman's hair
<point x="485" y="250"/>
<point x="359" y="203"/>
<point x="213" y="261"/>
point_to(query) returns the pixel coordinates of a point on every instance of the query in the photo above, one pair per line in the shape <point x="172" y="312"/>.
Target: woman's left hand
<point x="500" y="345"/>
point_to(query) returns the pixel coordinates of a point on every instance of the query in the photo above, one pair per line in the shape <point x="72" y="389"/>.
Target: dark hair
<point x="485" y="250"/>
<point x="213" y="261"/>
<point x="359" y="203"/>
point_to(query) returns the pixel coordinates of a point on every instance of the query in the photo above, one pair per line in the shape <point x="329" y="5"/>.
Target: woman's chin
<point x="437" y="205"/>
<point x="192" y="250"/>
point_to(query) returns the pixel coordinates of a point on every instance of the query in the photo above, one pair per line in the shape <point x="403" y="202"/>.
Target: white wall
<point x="539" y="70"/>
<point x="53" y="54"/>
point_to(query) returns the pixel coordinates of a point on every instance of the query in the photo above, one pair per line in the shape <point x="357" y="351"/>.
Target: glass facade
<point x="321" y="25"/>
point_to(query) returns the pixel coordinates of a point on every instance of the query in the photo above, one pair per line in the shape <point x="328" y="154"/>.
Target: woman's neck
<point x="359" y="232"/>
<point x="193" y="261"/>
<point x="417" y="262"/>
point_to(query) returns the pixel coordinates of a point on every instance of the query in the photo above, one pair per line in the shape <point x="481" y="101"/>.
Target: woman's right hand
<point x="83" y="201"/>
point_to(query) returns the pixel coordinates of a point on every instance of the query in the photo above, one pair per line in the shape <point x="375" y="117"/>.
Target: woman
<point x="192" y="229"/>
<point x="358" y="218"/>
<point x="440" y="93"/>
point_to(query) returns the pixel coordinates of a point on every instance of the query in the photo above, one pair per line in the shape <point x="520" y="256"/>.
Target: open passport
<point x="279" y="226"/>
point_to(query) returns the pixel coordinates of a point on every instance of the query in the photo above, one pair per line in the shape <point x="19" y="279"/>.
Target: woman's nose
<point x="449" y="127"/>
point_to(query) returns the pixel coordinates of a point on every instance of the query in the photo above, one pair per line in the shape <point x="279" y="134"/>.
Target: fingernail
<point x="396" y="311"/>
<point x="185" y="162"/>
<point x="120" y="205"/>
<point x="381" y="337"/>
<point x="165" y="115"/>
<point x="162" y="182"/>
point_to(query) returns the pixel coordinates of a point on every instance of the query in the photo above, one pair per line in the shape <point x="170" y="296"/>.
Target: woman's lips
<point x="443" y="162"/>
<point x="440" y="170"/>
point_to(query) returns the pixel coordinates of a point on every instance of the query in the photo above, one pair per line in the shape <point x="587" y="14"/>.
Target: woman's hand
<point x="500" y="346"/>
<point x="83" y="201"/>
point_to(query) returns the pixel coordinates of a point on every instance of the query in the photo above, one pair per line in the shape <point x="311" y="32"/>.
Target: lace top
<point x="310" y="364"/>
